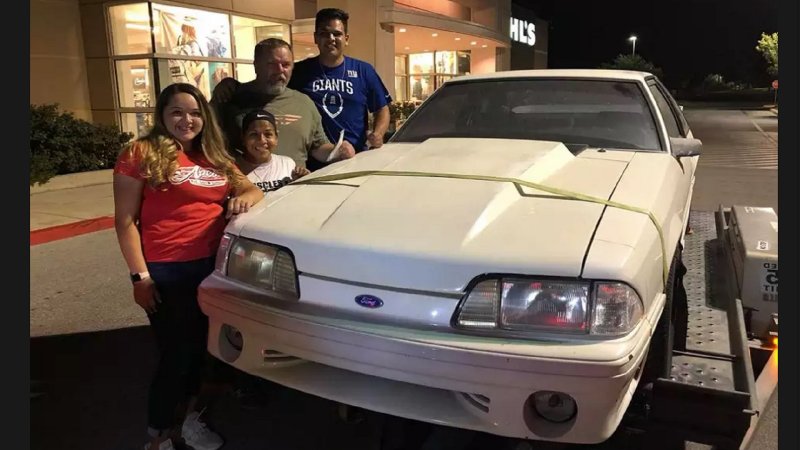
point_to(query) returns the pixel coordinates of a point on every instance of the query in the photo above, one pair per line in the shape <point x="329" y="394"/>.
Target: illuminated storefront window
<point x="421" y="75"/>
<point x="135" y="83"/>
<point x="190" y="32"/>
<point x="130" y="29"/>
<point x="401" y="77"/>
<point x="248" y="32"/>
<point x="137" y="123"/>
<point x="446" y="63"/>
<point x="155" y="45"/>
<point x="245" y="72"/>
<point x="417" y="75"/>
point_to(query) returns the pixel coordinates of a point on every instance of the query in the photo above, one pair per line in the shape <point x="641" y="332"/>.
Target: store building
<point x="528" y="34"/>
<point x="106" y="61"/>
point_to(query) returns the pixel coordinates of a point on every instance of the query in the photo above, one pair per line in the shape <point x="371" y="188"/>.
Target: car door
<point x="677" y="127"/>
<point x="683" y="125"/>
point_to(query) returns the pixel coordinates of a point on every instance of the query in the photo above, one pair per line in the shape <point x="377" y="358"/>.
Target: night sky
<point x="687" y="39"/>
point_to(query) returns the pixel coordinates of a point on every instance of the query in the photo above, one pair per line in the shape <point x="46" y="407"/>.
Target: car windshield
<point x="596" y="113"/>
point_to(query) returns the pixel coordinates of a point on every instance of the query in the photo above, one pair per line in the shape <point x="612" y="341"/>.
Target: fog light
<point x="556" y="407"/>
<point x="234" y="336"/>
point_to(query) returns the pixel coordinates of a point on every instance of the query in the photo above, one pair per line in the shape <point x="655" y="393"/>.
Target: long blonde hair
<point x="158" y="150"/>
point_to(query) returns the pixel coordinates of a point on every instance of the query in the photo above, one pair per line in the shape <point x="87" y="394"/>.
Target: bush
<point x="61" y="143"/>
<point x="399" y="112"/>
<point x="406" y="108"/>
<point x="715" y="82"/>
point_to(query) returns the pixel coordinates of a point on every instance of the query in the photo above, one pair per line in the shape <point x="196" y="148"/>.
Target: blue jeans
<point x="181" y="331"/>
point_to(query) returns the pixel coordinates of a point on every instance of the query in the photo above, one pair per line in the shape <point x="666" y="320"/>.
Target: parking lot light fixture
<point x="633" y="40"/>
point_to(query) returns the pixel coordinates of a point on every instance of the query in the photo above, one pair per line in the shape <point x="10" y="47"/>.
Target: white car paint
<point x="406" y="372"/>
<point x="418" y="243"/>
<point x="470" y="227"/>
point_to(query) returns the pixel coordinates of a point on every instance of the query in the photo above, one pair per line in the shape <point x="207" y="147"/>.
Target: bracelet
<point x="136" y="277"/>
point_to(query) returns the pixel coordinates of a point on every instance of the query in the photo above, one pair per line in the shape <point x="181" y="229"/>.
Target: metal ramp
<point x="709" y="394"/>
<point x="708" y="329"/>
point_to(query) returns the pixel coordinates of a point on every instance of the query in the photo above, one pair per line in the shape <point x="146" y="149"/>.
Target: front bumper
<point x="436" y="377"/>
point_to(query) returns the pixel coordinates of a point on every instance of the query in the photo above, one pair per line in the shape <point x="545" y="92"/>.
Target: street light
<point x="633" y="39"/>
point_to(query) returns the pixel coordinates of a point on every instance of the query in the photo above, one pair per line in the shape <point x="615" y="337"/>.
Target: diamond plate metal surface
<point x="702" y="372"/>
<point x="707" y="329"/>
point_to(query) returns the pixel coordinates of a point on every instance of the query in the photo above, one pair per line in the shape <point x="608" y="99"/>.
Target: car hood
<point x="437" y="234"/>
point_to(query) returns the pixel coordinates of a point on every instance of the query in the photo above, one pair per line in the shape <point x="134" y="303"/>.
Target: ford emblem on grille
<point x="369" y="301"/>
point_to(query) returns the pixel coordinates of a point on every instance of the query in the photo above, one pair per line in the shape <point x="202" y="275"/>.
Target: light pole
<point x="633" y="39"/>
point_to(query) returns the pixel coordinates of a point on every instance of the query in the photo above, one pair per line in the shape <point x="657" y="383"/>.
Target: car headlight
<point x="617" y="309"/>
<point x="515" y="305"/>
<point x="258" y="264"/>
<point x="222" y="253"/>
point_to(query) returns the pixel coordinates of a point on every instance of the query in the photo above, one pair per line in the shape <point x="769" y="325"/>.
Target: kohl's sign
<point x="523" y="31"/>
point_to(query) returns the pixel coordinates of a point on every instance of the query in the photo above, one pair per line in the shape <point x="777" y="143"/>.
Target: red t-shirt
<point x="182" y="219"/>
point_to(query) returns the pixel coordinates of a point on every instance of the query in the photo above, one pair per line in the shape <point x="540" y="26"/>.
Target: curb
<point x="75" y="180"/>
<point x="68" y="230"/>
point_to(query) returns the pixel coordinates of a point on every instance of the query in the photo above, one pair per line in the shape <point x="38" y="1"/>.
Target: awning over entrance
<point x="416" y="31"/>
<point x="414" y="39"/>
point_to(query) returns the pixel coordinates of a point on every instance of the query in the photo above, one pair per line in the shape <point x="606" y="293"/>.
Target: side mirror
<point x="685" y="147"/>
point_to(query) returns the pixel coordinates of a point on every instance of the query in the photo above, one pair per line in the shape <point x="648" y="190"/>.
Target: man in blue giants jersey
<point x="344" y="89"/>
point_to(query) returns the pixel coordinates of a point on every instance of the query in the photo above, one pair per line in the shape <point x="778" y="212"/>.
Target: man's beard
<point x="275" y="88"/>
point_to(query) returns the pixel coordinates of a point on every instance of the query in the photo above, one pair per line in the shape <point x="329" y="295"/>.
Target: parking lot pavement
<point x="739" y="161"/>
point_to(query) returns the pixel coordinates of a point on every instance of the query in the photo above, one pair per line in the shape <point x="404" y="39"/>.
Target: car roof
<point x="559" y="73"/>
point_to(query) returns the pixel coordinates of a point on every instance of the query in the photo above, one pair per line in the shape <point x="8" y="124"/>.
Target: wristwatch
<point x="139" y="276"/>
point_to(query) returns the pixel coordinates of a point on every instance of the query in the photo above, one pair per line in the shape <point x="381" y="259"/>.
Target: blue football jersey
<point x="343" y="95"/>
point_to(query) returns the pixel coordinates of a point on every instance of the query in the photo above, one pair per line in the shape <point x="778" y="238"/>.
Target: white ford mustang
<point x="500" y="265"/>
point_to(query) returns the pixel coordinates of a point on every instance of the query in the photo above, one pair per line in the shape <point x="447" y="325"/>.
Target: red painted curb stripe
<point x="69" y="230"/>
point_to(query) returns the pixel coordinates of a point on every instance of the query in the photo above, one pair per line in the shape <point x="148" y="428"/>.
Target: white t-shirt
<point x="273" y="175"/>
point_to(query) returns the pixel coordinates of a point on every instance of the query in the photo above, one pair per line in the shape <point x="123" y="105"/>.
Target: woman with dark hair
<point x="171" y="190"/>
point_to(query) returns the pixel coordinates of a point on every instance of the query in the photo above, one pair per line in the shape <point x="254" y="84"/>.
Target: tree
<point x="633" y="62"/>
<point x="768" y="46"/>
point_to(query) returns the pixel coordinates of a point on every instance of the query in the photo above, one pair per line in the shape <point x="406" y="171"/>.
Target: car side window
<point x="666" y="112"/>
<point x="684" y="124"/>
<point x="676" y="109"/>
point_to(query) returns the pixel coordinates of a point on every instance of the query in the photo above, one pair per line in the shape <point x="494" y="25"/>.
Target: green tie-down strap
<point x="517" y="182"/>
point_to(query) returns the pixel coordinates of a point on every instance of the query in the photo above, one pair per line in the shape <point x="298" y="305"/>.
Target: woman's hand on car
<point x="238" y="205"/>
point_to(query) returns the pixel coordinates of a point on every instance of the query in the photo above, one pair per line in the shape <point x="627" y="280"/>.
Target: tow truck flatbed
<point x="719" y="381"/>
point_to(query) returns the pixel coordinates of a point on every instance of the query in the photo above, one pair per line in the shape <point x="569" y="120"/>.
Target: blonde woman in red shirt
<point x="171" y="190"/>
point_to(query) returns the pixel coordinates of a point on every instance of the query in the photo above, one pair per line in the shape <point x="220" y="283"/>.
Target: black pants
<point x="181" y="331"/>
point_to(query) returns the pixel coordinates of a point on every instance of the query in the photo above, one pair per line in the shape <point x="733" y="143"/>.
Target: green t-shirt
<point x="299" y="123"/>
